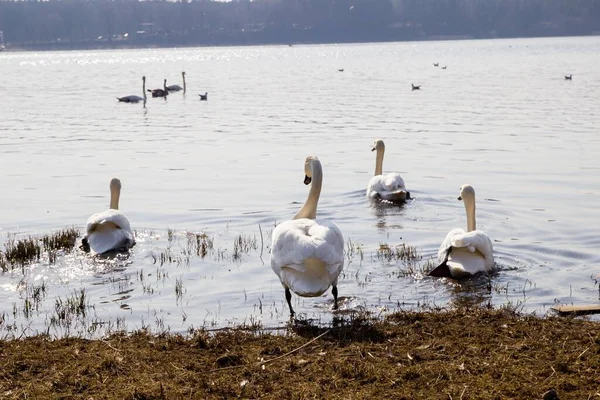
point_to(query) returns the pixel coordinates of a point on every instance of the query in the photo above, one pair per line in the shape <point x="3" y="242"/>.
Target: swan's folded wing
<point x="447" y="243"/>
<point x="115" y="217"/>
<point x="393" y="182"/>
<point x="474" y="241"/>
<point x="108" y="238"/>
<point x="296" y="240"/>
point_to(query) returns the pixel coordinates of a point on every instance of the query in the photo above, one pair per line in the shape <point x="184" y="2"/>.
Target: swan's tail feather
<point x="442" y="270"/>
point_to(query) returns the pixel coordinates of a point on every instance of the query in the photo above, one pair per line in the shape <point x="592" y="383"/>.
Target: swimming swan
<point x="133" y="98"/>
<point x="463" y="254"/>
<point x="109" y="230"/>
<point x="160" y="92"/>
<point x="307" y="254"/>
<point x="177" y="88"/>
<point x="388" y="187"/>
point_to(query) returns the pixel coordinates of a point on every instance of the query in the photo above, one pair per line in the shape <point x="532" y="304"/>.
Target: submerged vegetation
<point x="19" y="252"/>
<point x="437" y="354"/>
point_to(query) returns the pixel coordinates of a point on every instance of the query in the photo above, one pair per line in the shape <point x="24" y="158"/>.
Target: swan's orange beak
<point x="307" y="179"/>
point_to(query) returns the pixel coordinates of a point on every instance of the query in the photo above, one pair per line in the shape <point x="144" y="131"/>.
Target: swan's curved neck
<point x="183" y="83"/>
<point x="144" y="89"/>
<point x="165" y="85"/>
<point x="114" y="198"/>
<point x="309" y="209"/>
<point x="379" y="161"/>
<point x="470" y="209"/>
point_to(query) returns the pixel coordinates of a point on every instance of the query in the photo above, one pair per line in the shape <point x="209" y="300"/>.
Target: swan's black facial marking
<point x="374" y="148"/>
<point x="307" y="179"/>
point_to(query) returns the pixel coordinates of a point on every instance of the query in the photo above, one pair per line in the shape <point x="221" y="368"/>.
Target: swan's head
<point x="183" y="73"/>
<point x="115" y="184"/>
<point x="466" y="192"/>
<point x="144" y="78"/>
<point x="378" y="145"/>
<point x="308" y="169"/>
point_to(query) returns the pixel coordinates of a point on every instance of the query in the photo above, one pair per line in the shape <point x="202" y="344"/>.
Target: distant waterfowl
<point x="463" y="254"/>
<point x="307" y="254"/>
<point x="160" y="92"/>
<point x="569" y="77"/>
<point x="388" y="187"/>
<point x="133" y="98"/>
<point x="177" y="88"/>
<point x="341" y="70"/>
<point x="414" y="87"/>
<point x="110" y="229"/>
<point x="204" y="96"/>
<point x="444" y="67"/>
<point x="436" y="64"/>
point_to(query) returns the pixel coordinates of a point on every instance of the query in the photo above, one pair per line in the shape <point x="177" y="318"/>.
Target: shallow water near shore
<point x="500" y="117"/>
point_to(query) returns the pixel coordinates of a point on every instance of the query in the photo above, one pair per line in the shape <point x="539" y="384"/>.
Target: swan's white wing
<point x="471" y="252"/>
<point x="388" y="187"/>
<point x="307" y="255"/>
<point x="109" y="230"/>
<point x="174" y="88"/>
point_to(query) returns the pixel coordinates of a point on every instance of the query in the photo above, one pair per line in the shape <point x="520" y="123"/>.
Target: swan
<point x="436" y="64"/>
<point x="388" y="187"/>
<point x="463" y="254"/>
<point x="160" y="92"/>
<point x="414" y="87"/>
<point x="308" y="254"/>
<point x="569" y="77"/>
<point x="110" y="229"/>
<point x="177" y="88"/>
<point x="204" y="96"/>
<point x="133" y="98"/>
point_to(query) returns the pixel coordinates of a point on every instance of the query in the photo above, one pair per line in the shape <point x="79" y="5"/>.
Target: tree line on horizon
<point x="207" y="22"/>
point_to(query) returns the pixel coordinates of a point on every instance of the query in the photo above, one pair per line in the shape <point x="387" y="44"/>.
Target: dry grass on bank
<point x="466" y="354"/>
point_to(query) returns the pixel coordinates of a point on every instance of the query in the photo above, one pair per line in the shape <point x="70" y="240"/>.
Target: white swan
<point x="388" y="187"/>
<point x="307" y="254"/>
<point x="133" y="98"/>
<point x="177" y="88"/>
<point x="110" y="229"/>
<point x="463" y="254"/>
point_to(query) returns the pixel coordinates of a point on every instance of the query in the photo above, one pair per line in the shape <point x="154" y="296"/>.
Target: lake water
<point x="501" y="117"/>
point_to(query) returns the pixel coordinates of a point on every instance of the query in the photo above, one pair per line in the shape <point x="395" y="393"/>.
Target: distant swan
<point x="204" y="96"/>
<point x="463" y="254"/>
<point x="569" y="77"/>
<point x="160" y="92"/>
<point x="110" y="229"/>
<point x="386" y="187"/>
<point x="133" y="98"/>
<point x="307" y="254"/>
<point x="177" y="88"/>
<point x="444" y="67"/>
<point x="436" y="64"/>
<point x="414" y="87"/>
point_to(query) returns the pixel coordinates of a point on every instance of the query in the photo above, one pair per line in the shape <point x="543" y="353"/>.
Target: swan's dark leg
<point x="85" y="246"/>
<point x="288" y="297"/>
<point x="334" y="293"/>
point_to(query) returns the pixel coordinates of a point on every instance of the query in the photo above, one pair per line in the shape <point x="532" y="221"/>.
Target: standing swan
<point x="133" y="98"/>
<point x="109" y="230"/>
<point x="160" y="92"/>
<point x="388" y="187"/>
<point x="307" y="254"/>
<point x="463" y="254"/>
<point x="177" y="88"/>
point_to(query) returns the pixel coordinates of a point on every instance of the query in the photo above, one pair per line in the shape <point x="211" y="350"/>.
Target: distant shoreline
<point x="126" y="45"/>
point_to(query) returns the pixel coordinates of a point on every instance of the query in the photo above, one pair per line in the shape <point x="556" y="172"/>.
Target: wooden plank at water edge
<point x="577" y="310"/>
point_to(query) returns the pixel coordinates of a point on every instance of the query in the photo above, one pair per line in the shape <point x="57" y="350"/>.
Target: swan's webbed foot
<point x="85" y="246"/>
<point x="288" y="297"/>
<point x="442" y="270"/>
<point x="334" y="292"/>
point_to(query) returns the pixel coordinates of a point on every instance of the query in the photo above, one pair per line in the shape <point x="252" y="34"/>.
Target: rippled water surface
<point x="501" y="117"/>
